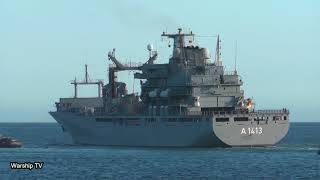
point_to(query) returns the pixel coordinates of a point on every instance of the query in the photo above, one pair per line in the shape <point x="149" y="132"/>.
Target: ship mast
<point x="217" y="61"/>
<point x="86" y="81"/>
<point x="178" y="39"/>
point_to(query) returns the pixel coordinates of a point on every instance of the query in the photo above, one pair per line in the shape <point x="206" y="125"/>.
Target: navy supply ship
<point x="189" y="101"/>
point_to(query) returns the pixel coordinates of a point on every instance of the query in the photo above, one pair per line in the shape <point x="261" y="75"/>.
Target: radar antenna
<point x="179" y="43"/>
<point x="179" y="38"/>
<point x="235" y="57"/>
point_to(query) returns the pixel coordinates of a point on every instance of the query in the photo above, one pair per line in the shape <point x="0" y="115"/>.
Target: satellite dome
<point x="150" y="47"/>
<point x="110" y="53"/>
<point x="206" y="53"/>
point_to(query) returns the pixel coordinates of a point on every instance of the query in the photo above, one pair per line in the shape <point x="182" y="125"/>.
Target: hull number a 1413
<point x="251" y="130"/>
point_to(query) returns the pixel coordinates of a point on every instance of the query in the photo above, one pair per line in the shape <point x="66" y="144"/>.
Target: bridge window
<point x="222" y="119"/>
<point x="104" y="120"/>
<point x="241" y="119"/>
<point x="277" y="118"/>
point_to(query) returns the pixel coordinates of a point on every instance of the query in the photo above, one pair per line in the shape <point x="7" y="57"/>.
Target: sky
<point x="45" y="44"/>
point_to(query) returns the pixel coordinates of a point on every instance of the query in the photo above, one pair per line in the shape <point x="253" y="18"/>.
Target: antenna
<point x="235" y="57"/>
<point x="133" y="85"/>
<point x="218" y="52"/>
<point x="86" y="73"/>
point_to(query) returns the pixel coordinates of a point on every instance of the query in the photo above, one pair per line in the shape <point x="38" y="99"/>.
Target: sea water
<point x="295" y="157"/>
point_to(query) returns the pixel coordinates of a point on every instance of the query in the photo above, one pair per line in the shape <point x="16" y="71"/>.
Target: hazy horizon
<point x="43" y="45"/>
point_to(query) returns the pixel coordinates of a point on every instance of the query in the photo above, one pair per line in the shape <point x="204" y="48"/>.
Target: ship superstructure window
<point x="172" y="119"/>
<point x="151" y="119"/>
<point x="222" y="119"/>
<point x="197" y="119"/>
<point x="277" y="118"/>
<point x="104" y="120"/>
<point x="241" y="119"/>
<point x="185" y="119"/>
<point x="261" y="118"/>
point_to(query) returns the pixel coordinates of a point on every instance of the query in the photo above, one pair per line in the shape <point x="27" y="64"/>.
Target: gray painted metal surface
<point x="188" y="101"/>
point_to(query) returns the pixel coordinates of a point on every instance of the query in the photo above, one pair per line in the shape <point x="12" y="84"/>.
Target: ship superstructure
<point x="189" y="101"/>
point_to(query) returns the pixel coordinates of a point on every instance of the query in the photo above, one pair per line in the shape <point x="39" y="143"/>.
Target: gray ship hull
<point x="188" y="101"/>
<point x="169" y="131"/>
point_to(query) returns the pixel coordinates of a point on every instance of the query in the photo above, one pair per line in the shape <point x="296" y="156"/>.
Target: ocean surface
<point x="295" y="157"/>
